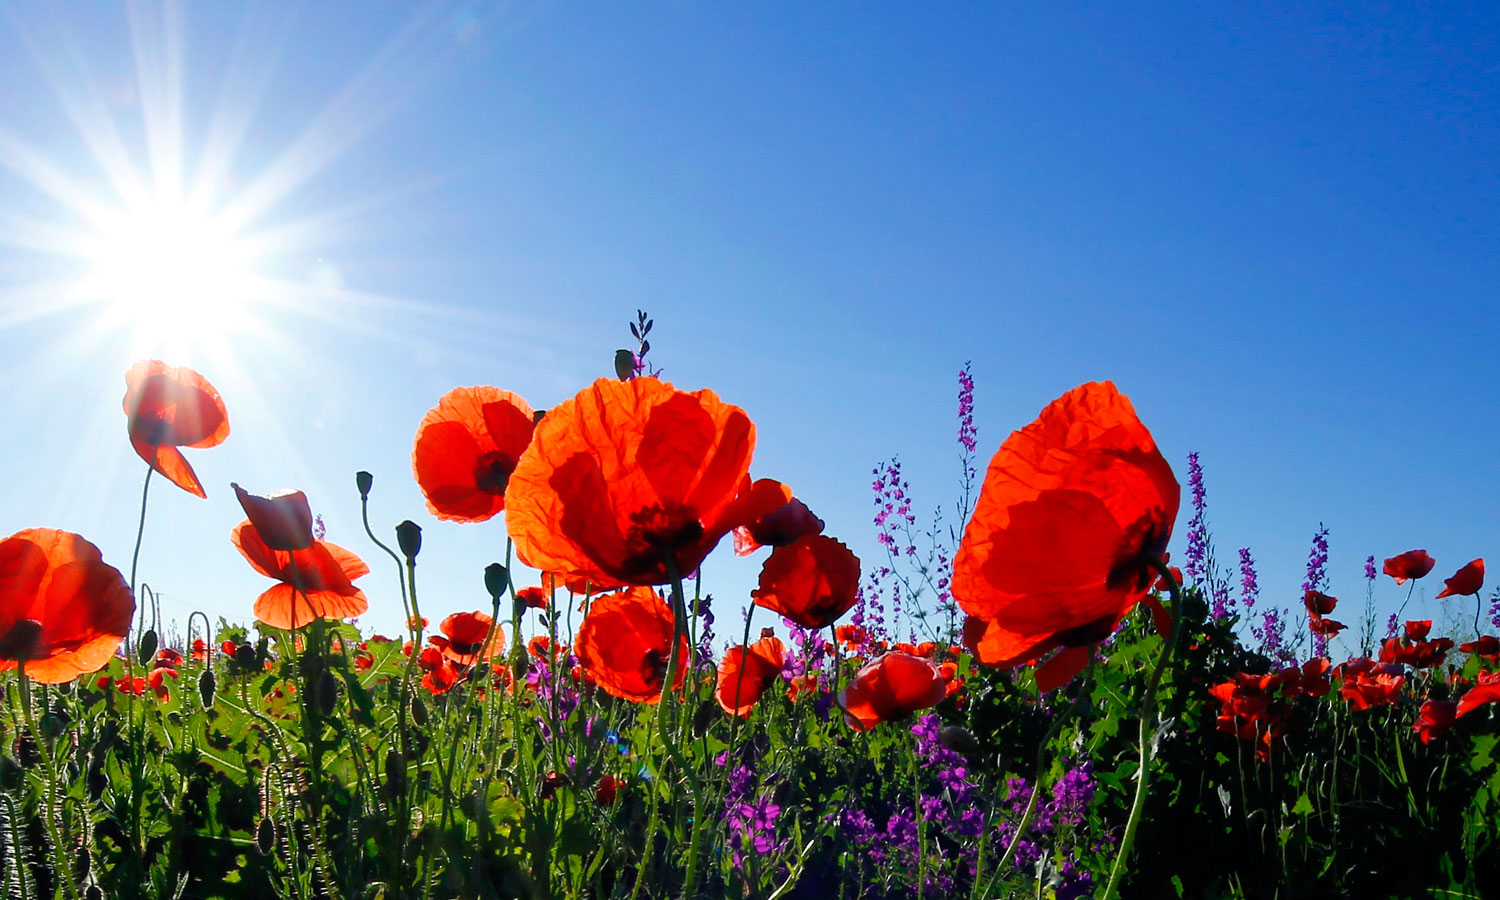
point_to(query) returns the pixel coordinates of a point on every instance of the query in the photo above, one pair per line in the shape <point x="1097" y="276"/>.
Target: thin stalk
<point x="140" y="529"/>
<point x="1148" y="716"/>
<point x="1084" y="691"/>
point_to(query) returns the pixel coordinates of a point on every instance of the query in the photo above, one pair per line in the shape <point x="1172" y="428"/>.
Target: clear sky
<point x="1273" y="227"/>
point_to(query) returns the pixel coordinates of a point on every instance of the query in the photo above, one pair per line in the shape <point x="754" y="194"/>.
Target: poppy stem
<point x="1148" y="724"/>
<point x="1085" y="690"/>
<point x="140" y="530"/>
<point x="674" y="661"/>
<point x="364" y="514"/>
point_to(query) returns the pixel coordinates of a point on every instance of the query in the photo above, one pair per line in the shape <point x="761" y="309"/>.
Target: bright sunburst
<point x="170" y="268"/>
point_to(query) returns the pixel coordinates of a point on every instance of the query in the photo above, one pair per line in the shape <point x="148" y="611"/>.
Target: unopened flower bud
<point x="364" y="480"/>
<point x="409" y="539"/>
<point x="496" y="580"/>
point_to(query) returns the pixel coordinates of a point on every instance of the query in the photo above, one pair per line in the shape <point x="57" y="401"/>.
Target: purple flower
<point x="1249" y="589"/>
<point x="1370" y="568"/>
<point x="1197" y="537"/>
<point x="968" y="435"/>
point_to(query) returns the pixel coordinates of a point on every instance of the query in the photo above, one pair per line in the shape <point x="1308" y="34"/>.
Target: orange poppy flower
<point x="62" y="609"/>
<point x="1365" y="690"/>
<point x="1485" y="690"/>
<point x="625" y="643"/>
<point x="1072" y="509"/>
<point x="1467" y="580"/>
<point x="629" y="475"/>
<point x="467" y="448"/>
<point x="325" y="571"/>
<point x="746" y="672"/>
<point x="1325" y="627"/>
<point x="1319" y="603"/>
<point x="1434" y="718"/>
<point x="779" y="527"/>
<point x="1411" y="564"/>
<point x="533" y="597"/>
<point x="463" y="639"/>
<point x="282" y="518"/>
<point x="167" y="407"/>
<point x="812" y="581"/>
<point x="1485" y="645"/>
<point x="890" y="688"/>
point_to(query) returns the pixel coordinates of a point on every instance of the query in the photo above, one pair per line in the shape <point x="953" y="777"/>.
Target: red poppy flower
<point x="890" y="688"/>
<point x="853" y="637"/>
<point x="167" y="407"/>
<point x="625" y="643"/>
<point x="466" y="450"/>
<point x="630" y="479"/>
<point x="282" y="518"/>
<point x="539" y="646"/>
<point x="609" y="785"/>
<point x="812" y="581"/>
<point x="1319" y="603"/>
<point x="62" y="609"/>
<point x="1435" y="718"/>
<point x="1485" y="645"/>
<point x="1467" y="580"/>
<point x="779" y="527"/>
<point x="1411" y="564"/>
<point x="746" y="672"/>
<point x="1418" y="629"/>
<point x="1485" y="690"/>
<point x="1073" y="508"/>
<point x="463" y="639"/>
<point x="167" y="658"/>
<point x="1365" y="690"/>
<point x="533" y="597"/>
<point x="1324" y="627"/>
<point x="157" y="679"/>
<point x="439" y="674"/>
<point x="325" y="571"/>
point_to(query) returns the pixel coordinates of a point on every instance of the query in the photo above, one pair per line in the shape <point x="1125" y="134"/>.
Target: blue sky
<point x="1273" y="228"/>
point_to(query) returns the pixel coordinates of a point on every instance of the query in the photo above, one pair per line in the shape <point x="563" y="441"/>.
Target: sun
<point x="170" y="268"/>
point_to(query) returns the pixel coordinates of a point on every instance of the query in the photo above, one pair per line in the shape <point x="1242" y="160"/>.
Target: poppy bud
<point x="265" y="836"/>
<point x="418" y="712"/>
<point x="95" y="892"/>
<point x="703" y="717"/>
<point x="95" y="781"/>
<point x="244" y="657"/>
<point x="496" y="580"/>
<point x="26" y="752"/>
<point x="282" y="519"/>
<point x="326" y="693"/>
<point x="364" y="481"/>
<point x="146" y="649"/>
<point x="625" y="364"/>
<point x="395" y="773"/>
<point x="550" y="783"/>
<point x="959" y="739"/>
<point x="81" y="862"/>
<point x="409" y="539"/>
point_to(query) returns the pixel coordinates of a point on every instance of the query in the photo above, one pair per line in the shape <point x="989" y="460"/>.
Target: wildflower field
<point x="1030" y="697"/>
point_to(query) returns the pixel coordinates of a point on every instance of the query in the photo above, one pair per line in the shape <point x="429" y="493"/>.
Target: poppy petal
<point x="169" y="462"/>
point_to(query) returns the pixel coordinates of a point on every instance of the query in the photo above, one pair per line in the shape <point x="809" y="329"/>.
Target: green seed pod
<point x="409" y="539"/>
<point x="146" y="649"/>
<point x="326" y="693"/>
<point x="206" y="687"/>
<point x="496" y="580"/>
<point x="364" y="481"/>
<point x="418" y="712"/>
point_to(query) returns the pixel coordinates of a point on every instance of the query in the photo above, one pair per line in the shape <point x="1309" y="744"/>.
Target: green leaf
<point x="1304" y="806"/>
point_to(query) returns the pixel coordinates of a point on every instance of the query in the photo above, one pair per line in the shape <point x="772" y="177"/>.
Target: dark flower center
<point x="21" y="641"/>
<point x="492" y="472"/>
